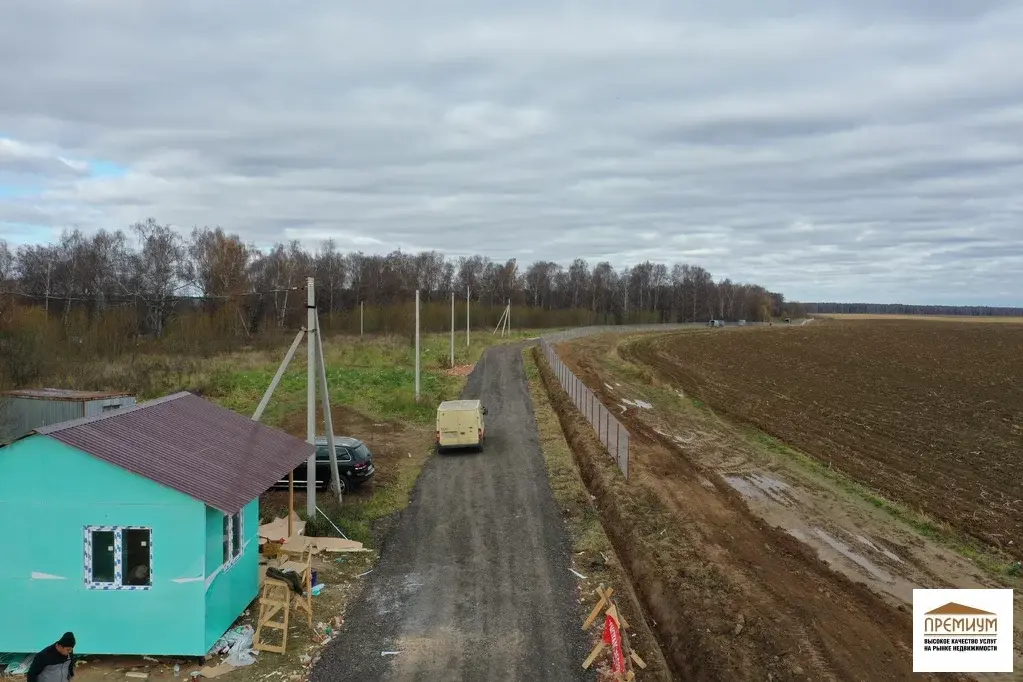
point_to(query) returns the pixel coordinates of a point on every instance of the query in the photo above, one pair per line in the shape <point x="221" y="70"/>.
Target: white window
<point x="118" y="558"/>
<point x="234" y="538"/>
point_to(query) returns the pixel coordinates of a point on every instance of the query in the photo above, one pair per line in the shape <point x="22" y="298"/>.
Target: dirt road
<point x="473" y="583"/>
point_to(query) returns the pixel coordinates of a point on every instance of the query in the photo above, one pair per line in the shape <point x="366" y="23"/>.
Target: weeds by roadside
<point x="594" y="555"/>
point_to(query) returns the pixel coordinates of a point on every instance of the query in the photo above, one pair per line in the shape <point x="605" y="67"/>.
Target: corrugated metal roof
<point x="62" y="394"/>
<point x="191" y="445"/>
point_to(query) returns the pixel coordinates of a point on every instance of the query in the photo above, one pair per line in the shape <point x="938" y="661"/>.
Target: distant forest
<point x="210" y="291"/>
<point x="906" y="309"/>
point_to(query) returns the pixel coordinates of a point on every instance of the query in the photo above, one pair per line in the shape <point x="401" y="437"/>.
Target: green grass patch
<point x="375" y="375"/>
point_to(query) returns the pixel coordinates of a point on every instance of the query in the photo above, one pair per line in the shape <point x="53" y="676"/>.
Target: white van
<point x="460" y="425"/>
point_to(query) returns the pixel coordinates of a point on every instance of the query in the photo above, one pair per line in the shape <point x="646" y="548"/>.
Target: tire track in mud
<point x="733" y="598"/>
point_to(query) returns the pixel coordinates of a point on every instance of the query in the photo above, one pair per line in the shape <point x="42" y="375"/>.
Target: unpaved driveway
<point x="473" y="583"/>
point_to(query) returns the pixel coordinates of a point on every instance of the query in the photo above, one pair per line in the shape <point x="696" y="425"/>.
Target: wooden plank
<point x="605" y="597"/>
<point x="593" y="654"/>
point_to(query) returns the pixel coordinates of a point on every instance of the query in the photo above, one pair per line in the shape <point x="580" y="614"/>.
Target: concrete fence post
<point x="618" y="443"/>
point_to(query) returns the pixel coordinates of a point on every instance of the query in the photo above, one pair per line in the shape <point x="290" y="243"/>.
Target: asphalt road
<point x="474" y="581"/>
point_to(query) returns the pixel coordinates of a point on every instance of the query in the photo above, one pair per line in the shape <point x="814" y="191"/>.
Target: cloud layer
<point x="847" y="150"/>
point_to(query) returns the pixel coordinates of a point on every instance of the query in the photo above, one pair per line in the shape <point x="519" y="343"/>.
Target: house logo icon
<point x="963" y="631"/>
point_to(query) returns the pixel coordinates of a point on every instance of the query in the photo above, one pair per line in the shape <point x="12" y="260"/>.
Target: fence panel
<point x="611" y="434"/>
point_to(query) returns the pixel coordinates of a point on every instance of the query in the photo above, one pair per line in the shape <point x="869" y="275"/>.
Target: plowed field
<point x="929" y="414"/>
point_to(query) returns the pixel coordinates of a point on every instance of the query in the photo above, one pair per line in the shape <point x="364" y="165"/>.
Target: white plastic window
<point x="118" y="557"/>
<point x="234" y="538"/>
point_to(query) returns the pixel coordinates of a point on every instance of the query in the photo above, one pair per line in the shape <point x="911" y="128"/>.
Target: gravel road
<point x="473" y="583"/>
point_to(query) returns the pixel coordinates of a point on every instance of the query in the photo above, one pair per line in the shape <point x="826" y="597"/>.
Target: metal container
<point x="24" y="410"/>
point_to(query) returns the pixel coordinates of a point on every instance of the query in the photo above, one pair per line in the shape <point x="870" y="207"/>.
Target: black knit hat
<point x="68" y="640"/>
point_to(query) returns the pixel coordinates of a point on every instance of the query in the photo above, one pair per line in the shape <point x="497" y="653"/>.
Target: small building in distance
<point x="137" y="528"/>
<point x="23" y="410"/>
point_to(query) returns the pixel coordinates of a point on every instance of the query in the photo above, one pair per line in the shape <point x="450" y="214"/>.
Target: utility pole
<point x="467" y="317"/>
<point x="452" y="329"/>
<point x="362" y="314"/>
<point x="310" y="423"/>
<point x="417" y="345"/>
<point x="507" y="322"/>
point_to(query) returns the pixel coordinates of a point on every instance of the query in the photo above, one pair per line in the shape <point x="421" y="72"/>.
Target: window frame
<point x="118" y="582"/>
<point x="233" y="553"/>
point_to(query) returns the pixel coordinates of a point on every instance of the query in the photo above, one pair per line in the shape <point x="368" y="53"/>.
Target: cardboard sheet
<point x="217" y="671"/>
<point x="277" y="530"/>
<point x="297" y="544"/>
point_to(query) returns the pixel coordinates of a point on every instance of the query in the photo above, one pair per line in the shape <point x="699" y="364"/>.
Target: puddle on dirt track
<point x="858" y="559"/>
<point x="637" y="403"/>
<point x="838" y="536"/>
<point x="757" y="485"/>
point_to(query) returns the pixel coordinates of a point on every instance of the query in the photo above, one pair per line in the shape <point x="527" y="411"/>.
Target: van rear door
<point x="457" y="427"/>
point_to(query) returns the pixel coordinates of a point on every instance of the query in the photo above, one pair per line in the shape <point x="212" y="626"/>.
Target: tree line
<point x="911" y="309"/>
<point x="154" y="278"/>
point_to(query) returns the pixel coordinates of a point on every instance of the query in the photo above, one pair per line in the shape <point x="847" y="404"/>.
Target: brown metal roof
<point x="62" y="394"/>
<point x="191" y="445"/>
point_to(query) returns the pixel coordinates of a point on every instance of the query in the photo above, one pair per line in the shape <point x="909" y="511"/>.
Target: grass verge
<point x="594" y="555"/>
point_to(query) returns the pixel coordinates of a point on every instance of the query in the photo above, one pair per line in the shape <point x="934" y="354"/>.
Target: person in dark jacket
<point x="55" y="663"/>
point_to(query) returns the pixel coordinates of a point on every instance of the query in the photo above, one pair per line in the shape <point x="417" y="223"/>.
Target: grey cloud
<point x="836" y="149"/>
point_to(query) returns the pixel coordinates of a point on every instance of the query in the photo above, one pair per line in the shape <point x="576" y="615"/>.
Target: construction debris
<point x="296" y="544"/>
<point x="460" y="370"/>
<point x="277" y="530"/>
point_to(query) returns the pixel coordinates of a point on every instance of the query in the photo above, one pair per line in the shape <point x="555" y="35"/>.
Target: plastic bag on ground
<point x="241" y="653"/>
<point x="17" y="664"/>
<point x="237" y="644"/>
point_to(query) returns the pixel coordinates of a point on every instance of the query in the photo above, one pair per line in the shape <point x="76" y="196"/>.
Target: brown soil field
<point x="961" y="319"/>
<point x="930" y="414"/>
<point x="729" y="596"/>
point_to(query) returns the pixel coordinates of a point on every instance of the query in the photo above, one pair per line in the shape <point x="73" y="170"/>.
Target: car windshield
<point x="361" y="453"/>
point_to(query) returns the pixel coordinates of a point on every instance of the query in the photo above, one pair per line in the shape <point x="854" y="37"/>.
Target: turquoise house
<point x="136" y="529"/>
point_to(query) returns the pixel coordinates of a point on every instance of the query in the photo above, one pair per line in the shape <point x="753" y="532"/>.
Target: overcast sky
<point x="831" y="150"/>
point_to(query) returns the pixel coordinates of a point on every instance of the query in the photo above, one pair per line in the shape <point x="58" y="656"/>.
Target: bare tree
<point x="159" y="268"/>
<point x="104" y="269"/>
<point x="6" y="266"/>
<point x="331" y="270"/>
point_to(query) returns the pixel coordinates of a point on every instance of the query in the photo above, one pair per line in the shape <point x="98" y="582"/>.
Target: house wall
<point x="233" y="588"/>
<point x="51" y="492"/>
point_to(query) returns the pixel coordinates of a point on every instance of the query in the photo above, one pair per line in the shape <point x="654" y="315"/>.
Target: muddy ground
<point x="928" y="413"/>
<point x="734" y="597"/>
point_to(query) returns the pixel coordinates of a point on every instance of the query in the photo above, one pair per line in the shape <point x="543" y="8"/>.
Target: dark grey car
<point x="354" y="464"/>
